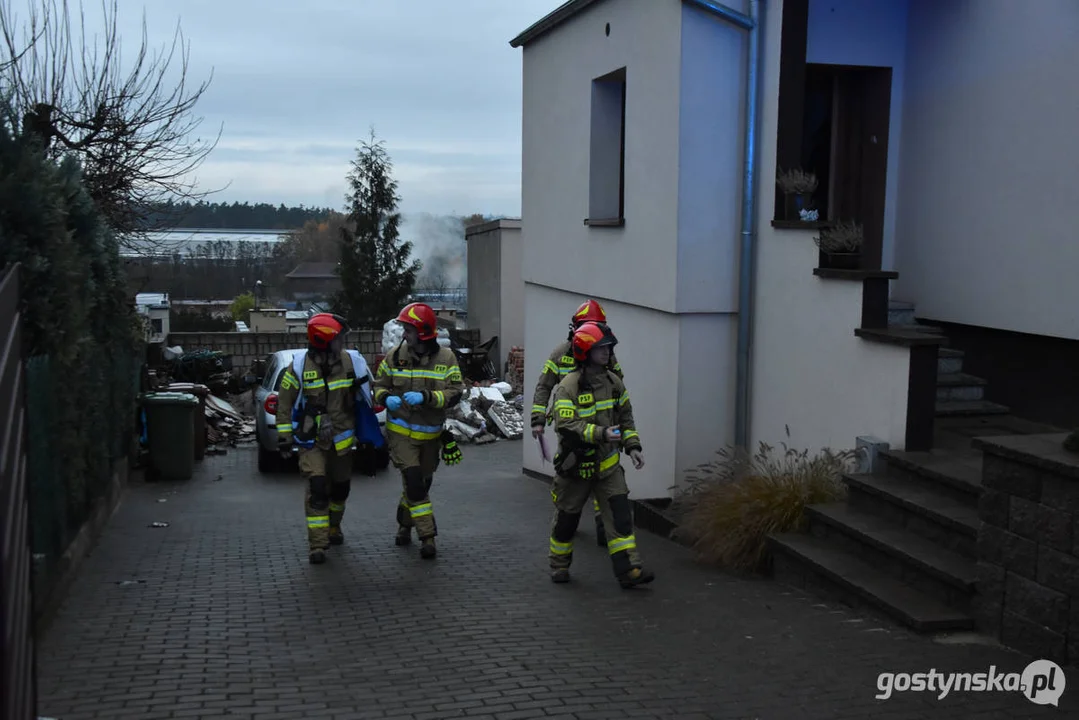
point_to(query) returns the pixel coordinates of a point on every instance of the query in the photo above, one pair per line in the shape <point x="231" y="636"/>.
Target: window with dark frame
<point x="833" y="122"/>
<point x="607" y="152"/>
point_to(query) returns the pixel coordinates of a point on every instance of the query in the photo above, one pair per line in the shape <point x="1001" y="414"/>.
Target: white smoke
<point x="438" y="241"/>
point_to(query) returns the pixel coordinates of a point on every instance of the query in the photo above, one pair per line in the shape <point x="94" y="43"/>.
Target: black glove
<point x="366" y="460"/>
<point x="451" y="453"/>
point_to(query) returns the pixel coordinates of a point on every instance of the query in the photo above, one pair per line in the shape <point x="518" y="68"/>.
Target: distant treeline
<point x="230" y="216"/>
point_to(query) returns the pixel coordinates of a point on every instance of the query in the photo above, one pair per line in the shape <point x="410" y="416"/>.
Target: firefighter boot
<point x="317" y="556"/>
<point x="560" y="575"/>
<point x="404" y="536"/>
<point x="635" y="577"/>
<point x="427" y="549"/>
<point x="336" y="536"/>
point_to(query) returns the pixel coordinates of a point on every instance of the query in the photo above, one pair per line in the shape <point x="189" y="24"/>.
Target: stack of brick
<point x="515" y="369"/>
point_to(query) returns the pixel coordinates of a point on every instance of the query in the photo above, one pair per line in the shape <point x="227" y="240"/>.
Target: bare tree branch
<point x="131" y="125"/>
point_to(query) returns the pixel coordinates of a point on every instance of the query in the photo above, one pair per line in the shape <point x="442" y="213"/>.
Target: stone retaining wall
<point x="1028" y="545"/>
<point x="246" y="347"/>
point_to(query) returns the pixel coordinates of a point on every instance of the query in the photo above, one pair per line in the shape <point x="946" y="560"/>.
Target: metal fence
<point x="17" y="660"/>
<point x="71" y="463"/>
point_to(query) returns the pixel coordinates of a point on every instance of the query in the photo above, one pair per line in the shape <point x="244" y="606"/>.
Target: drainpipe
<point x="746" y="275"/>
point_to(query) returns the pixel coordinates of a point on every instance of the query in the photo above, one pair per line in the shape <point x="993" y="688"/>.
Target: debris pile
<point x="225" y="425"/>
<point x="484" y="414"/>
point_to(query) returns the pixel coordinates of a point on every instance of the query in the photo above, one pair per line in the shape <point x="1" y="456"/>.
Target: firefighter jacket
<point x="328" y="391"/>
<point x="555" y="368"/>
<point x="586" y="402"/>
<point x="437" y="376"/>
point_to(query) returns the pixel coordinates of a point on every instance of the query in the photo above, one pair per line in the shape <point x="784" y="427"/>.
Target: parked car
<point x="265" y="394"/>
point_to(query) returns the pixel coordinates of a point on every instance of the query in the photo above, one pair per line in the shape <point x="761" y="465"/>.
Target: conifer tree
<point x="376" y="268"/>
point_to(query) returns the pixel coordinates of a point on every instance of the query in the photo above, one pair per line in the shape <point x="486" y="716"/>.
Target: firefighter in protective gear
<point x="559" y="365"/>
<point x="418" y="381"/>
<point x="594" y="421"/>
<point x="317" y="413"/>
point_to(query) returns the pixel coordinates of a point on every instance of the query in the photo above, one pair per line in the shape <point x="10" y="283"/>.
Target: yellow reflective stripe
<point x="383" y="369"/>
<point x="605" y="404"/>
<point x="554" y="497"/>
<point x="284" y="427"/>
<point x="340" y="384"/>
<point x="420" y="510"/>
<point x="380" y="393"/>
<point x="318" y="521"/>
<point x="564" y="403"/>
<point x="620" y="544"/>
<point x="595" y="504"/>
<point x="539" y="409"/>
<point x="561" y="548"/>
<point x="586" y="412"/>
<point x="344" y="443"/>
<point x="629" y="435"/>
<point x="289" y="382"/>
<point x="440" y="398"/>
<point x="589" y="433"/>
<point x="549" y="366"/>
<point x="316" y="385"/>
<point x="609" y="462"/>
<point x="414" y="434"/>
<point x="337" y="507"/>
<point x="624" y="398"/>
<point x="617" y="367"/>
<point x="413" y="373"/>
<point x="564" y="370"/>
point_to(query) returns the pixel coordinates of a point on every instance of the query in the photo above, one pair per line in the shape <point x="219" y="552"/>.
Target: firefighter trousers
<point x="327" y="483"/>
<point x="417" y="461"/>
<point x="570" y="495"/>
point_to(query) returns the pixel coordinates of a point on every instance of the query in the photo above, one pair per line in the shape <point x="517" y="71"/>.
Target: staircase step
<point x="959" y="386"/>
<point x="959" y="379"/>
<point x="917" y="327"/>
<point x="798" y="555"/>
<point x="928" y="557"/>
<point x="953" y="408"/>
<point x="959" y="476"/>
<point x="934" y="514"/>
<point x="949" y="361"/>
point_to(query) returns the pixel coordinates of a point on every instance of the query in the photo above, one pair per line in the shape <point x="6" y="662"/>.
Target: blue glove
<point x="414" y="398"/>
<point x="393" y="402"/>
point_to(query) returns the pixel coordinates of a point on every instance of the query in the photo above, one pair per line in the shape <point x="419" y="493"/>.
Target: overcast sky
<point x="297" y="84"/>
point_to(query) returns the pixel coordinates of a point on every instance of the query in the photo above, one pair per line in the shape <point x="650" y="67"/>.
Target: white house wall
<point x="706" y="389"/>
<point x="710" y="123"/>
<point x="810" y="373"/>
<point x="511" y="321"/>
<point x="989" y="165"/>
<point x="636" y="263"/>
<point x="648" y="350"/>
<point x="872" y="33"/>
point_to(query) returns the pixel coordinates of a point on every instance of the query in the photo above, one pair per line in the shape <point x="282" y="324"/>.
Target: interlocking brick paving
<point x="228" y="619"/>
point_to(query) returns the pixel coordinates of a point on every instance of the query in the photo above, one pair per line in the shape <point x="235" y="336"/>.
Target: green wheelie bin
<point x="170" y="434"/>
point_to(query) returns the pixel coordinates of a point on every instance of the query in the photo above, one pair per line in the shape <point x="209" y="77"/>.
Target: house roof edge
<point x="549" y="22"/>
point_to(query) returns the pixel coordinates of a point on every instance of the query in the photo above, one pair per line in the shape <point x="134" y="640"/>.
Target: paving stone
<point x="232" y="622"/>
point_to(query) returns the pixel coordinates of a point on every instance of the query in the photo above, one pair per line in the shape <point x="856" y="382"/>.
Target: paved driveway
<point x="226" y="619"/>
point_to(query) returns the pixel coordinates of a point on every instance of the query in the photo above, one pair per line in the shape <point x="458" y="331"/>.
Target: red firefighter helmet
<point x="588" y="336"/>
<point x="589" y="311"/>
<point x="421" y="317"/>
<point x="323" y="328"/>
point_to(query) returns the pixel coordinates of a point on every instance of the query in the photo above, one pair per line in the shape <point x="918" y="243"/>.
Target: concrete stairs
<point x="959" y="394"/>
<point x="902" y="545"/>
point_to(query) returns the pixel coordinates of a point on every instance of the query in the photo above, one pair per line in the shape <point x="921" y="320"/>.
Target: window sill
<point x="605" y="222"/>
<point x="831" y="274"/>
<point x="801" y="224"/>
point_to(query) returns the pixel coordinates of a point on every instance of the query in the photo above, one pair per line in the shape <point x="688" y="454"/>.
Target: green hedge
<point x="79" y="331"/>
